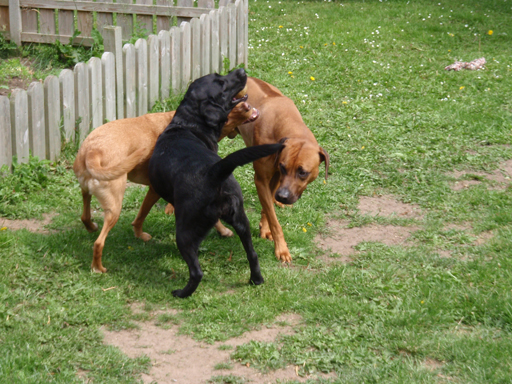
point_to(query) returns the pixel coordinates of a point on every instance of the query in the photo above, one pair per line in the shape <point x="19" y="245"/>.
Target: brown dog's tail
<point x="99" y="172"/>
<point x="221" y="170"/>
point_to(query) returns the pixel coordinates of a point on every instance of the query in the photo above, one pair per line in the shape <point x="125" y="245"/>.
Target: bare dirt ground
<point x="341" y="240"/>
<point x="500" y="177"/>
<point x="31" y="225"/>
<point x="181" y="359"/>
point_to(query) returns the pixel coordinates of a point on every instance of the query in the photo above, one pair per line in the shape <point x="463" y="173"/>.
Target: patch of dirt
<point x="31" y="225"/>
<point x="432" y="364"/>
<point x="501" y="176"/>
<point x="180" y="359"/>
<point x="342" y="240"/>
<point x="387" y="206"/>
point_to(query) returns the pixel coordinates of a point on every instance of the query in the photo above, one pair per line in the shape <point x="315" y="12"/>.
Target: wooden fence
<point x="125" y="82"/>
<point x="45" y="21"/>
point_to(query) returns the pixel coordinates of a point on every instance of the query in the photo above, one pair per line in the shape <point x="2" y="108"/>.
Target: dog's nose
<point x="283" y="195"/>
<point x="240" y="72"/>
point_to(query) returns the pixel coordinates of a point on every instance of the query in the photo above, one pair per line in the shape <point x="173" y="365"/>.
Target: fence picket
<point x="113" y="42"/>
<point x="163" y="23"/>
<point x="84" y="22"/>
<point x="240" y="34"/>
<point x="52" y="114"/>
<point x="82" y="106"/>
<point x="129" y="80"/>
<point x="186" y="70"/>
<point x="141" y="78"/>
<point x="67" y="105"/>
<point x="232" y="35"/>
<point x="164" y="38"/>
<point x="108" y="66"/>
<point x="215" y="50"/>
<point x="246" y="31"/>
<point x="5" y="132"/>
<point x="47" y="21"/>
<point x="153" y="70"/>
<point x="175" y="59"/>
<point x="223" y="36"/>
<point x="195" y="29"/>
<point x="66" y="22"/>
<point x="125" y="21"/>
<point x="143" y="21"/>
<point x="36" y="120"/>
<point x="96" y="87"/>
<point x="19" y="125"/>
<point x="205" y="44"/>
<point x="28" y="20"/>
<point x="104" y="19"/>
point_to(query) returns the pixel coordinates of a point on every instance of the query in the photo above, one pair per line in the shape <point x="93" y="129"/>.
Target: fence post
<point x="129" y="80"/>
<point x="15" y="21"/>
<point x="36" y="120"/>
<point x="215" y="47"/>
<point x="205" y="44"/>
<point x="175" y="60"/>
<point x="52" y="113"/>
<point x="164" y="38"/>
<point x="141" y="65"/>
<point x="186" y="71"/>
<point x="5" y="132"/>
<point x="195" y="27"/>
<point x="96" y="87"/>
<point x="113" y="42"/>
<point x="19" y="125"/>
<point x="153" y="70"/>
<point x="67" y="99"/>
<point x="82" y="106"/>
<point x="108" y="62"/>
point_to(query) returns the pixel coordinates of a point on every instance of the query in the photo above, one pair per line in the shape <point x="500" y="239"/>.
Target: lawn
<point x="369" y="81"/>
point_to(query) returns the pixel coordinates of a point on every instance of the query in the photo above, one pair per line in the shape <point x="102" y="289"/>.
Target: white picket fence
<point x="126" y="82"/>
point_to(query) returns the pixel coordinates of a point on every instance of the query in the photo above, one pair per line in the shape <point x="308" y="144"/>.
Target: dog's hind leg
<point x="240" y="223"/>
<point x="86" y="213"/>
<point x="151" y="198"/>
<point x="111" y="200"/>
<point x="223" y="230"/>
<point x="188" y="244"/>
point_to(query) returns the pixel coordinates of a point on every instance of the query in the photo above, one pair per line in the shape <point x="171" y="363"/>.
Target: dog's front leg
<point x="268" y="212"/>
<point x="188" y="246"/>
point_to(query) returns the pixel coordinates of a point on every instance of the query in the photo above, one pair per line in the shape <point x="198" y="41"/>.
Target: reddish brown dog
<point x="286" y="177"/>
<point x="119" y="151"/>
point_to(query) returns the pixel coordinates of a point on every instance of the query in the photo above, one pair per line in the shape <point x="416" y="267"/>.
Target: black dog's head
<point x="210" y="99"/>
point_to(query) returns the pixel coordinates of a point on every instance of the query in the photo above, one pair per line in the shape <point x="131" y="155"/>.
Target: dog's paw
<point x="226" y="232"/>
<point x="266" y="234"/>
<point x="145" y="236"/>
<point x="256" y="280"/>
<point x="169" y="209"/>
<point x="91" y="227"/>
<point x="284" y="256"/>
<point x="179" y="293"/>
<point x="98" y="268"/>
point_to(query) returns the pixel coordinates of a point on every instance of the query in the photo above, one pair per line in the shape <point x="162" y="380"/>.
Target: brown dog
<point x="287" y="176"/>
<point x="120" y="150"/>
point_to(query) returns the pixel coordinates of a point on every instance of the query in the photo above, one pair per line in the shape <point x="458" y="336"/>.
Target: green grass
<point x="379" y="105"/>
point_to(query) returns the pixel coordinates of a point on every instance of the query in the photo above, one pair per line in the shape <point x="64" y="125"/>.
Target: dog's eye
<point x="282" y="169"/>
<point x="302" y="173"/>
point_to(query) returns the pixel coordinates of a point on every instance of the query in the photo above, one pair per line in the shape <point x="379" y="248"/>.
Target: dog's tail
<point x="221" y="170"/>
<point x="99" y="172"/>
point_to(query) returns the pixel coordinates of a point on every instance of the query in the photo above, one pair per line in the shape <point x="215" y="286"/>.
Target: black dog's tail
<point x="221" y="170"/>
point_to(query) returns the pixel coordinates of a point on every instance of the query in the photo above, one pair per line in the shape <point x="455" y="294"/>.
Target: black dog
<point x="186" y="171"/>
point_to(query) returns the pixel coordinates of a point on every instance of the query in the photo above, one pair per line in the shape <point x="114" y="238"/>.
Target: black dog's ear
<point x="324" y="156"/>
<point x="212" y="113"/>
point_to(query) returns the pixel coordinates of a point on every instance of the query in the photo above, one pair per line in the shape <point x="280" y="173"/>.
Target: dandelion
<point x="3" y="228"/>
<point x="490" y="32"/>
<point x="301" y="47"/>
<point x="312" y="78"/>
<point x="280" y="26"/>
<point x="304" y="229"/>
<point x="333" y="43"/>
<point x="422" y="302"/>
<point x="290" y="72"/>
<point x="325" y="182"/>
<point x="310" y="224"/>
<point x="362" y="147"/>
<point x="130" y="247"/>
<point x="449" y="50"/>
<point x="344" y="102"/>
<point x="325" y="44"/>
<point x="461" y="88"/>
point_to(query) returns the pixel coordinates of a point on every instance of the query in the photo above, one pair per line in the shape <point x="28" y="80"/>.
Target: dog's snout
<point x="240" y="72"/>
<point x="283" y="195"/>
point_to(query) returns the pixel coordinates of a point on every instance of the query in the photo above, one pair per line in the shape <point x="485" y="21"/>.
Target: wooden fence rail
<point x="45" y="21"/>
<point x="126" y="82"/>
